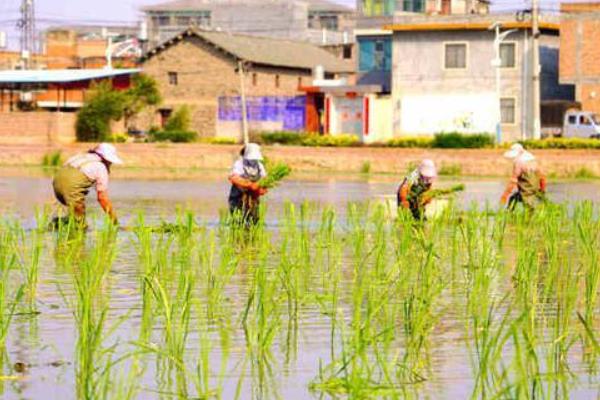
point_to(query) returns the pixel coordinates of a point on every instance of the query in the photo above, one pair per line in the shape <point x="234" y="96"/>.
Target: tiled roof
<point x="265" y="51"/>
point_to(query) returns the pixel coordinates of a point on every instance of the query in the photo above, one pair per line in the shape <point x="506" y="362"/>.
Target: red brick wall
<point x="36" y="128"/>
<point x="580" y="52"/>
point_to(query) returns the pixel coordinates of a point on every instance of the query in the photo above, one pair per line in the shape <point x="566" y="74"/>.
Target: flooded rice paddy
<point x="332" y="299"/>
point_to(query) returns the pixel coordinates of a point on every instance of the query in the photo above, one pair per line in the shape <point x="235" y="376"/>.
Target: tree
<point x="106" y="104"/>
<point x="103" y="105"/>
<point x="143" y="93"/>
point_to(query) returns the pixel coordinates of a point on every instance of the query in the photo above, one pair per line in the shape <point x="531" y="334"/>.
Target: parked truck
<point x="566" y="119"/>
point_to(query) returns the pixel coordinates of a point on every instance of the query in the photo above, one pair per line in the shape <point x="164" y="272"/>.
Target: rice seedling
<point x="234" y="311"/>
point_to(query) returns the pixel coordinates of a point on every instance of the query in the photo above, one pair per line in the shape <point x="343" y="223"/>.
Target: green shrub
<point x="365" y="168"/>
<point x="450" y="170"/>
<point x="286" y="138"/>
<point x="173" y="136"/>
<point x="344" y="140"/>
<point x="410" y="142"/>
<point x="584" y="173"/>
<point x="220" y="140"/>
<point x="102" y="106"/>
<point x="53" y="159"/>
<point x="455" y="140"/>
<point x="180" y="120"/>
<point x="562" y="143"/>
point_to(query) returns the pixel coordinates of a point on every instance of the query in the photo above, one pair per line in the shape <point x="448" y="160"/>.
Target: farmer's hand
<point x="262" y="191"/>
<point x="254" y="187"/>
<point x="405" y="204"/>
<point x="504" y="199"/>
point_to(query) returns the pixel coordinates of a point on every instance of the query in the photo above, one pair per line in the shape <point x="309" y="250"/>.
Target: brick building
<point x="580" y="52"/>
<point x="200" y="69"/>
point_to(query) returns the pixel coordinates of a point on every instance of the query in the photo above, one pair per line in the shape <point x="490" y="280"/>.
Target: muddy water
<point x="46" y="342"/>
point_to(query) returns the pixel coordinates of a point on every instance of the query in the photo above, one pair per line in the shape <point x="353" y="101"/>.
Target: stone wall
<point x="37" y="128"/>
<point x="204" y="74"/>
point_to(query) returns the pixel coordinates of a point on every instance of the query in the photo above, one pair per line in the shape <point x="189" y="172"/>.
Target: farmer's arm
<point x="543" y="181"/>
<point x="106" y="205"/>
<point x="242" y="183"/>
<point x="403" y="192"/>
<point x="102" y="194"/>
<point x="512" y="185"/>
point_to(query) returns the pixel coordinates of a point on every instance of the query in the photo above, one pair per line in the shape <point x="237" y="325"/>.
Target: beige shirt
<point x="524" y="163"/>
<point x="91" y="165"/>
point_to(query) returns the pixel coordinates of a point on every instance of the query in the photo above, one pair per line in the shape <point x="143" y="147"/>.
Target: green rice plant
<point x="275" y="174"/>
<point x="11" y="294"/>
<point x="52" y="160"/>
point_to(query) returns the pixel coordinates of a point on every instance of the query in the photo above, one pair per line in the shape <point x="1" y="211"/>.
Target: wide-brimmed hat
<point x="253" y="152"/>
<point x="427" y="169"/>
<point x="108" y="152"/>
<point x="515" y="151"/>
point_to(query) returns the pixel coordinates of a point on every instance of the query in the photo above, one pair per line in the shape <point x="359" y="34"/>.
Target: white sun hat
<point x="252" y="152"/>
<point x="515" y="151"/>
<point x="108" y="152"/>
<point x="428" y="169"/>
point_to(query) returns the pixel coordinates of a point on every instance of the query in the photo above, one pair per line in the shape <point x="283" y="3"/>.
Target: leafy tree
<point x="103" y="105"/>
<point x="143" y="93"/>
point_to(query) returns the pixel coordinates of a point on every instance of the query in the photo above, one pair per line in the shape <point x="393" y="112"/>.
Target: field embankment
<point x="466" y="162"/>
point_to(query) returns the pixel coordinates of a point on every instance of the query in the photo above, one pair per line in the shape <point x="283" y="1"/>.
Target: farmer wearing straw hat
<point x="245" y="193"/>
<point x="527" y="184"/>
<point x="412" y="193"/>
<point x="74" y="180"/>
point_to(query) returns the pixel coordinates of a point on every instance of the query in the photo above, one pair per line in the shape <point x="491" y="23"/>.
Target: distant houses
<point x="200" y="69"/>
<point x="444" y="76"/>
<point x="320" y="22"/>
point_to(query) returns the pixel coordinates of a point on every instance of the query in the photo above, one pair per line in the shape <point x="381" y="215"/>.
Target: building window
<point x="413" y="6"/>
<point x="347" y="54"/>
<point x="379" y="55"/>
<point x="507" y="110"/>
<point x="329" y="22"/>
<point x="184" y="21"/>
<point x="203" y="19"/>
<point x="508" y="52"/>
<point x="254" y="79"/>
<point x="455" y="56"/>
<point x="376" y="8"/>
<point x="173" y="78"/>
<point x="163" y="20"/>
<point x="277" y="81"/>
<point x="374" y="54"/>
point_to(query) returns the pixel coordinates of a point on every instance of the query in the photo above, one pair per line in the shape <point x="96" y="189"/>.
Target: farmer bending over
<point x="74" y="180"/>
<point x="412" y="193"/>
<point x="245" y="192"/>
<point x="527" y="184"/>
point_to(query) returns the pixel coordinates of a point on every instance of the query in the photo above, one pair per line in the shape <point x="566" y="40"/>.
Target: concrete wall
<point x="429" y="98"/>
<point x="205" y="74"/>
<point x="37" y="128"/>
<point x="348" y="115"/>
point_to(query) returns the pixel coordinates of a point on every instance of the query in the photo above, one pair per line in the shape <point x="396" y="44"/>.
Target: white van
<point x="581" y="124"/>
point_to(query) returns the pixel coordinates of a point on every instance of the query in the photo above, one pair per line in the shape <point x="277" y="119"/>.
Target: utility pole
<point x="243" y="99"/>
<point x="27" y="27"/>
<point x="536" y="69"/>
